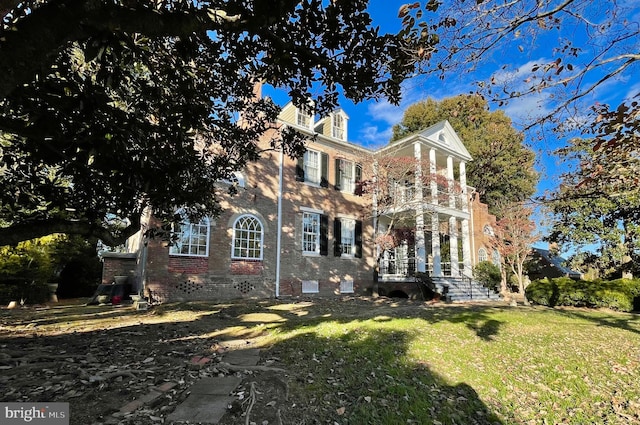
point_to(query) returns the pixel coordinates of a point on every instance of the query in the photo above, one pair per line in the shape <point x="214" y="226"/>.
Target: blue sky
<point x="370" y="122"/>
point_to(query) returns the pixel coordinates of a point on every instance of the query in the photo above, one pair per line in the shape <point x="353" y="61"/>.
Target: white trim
<point x="205" y="222"/>
<point x="233" y="239"/>
<point x="311" y="210"/>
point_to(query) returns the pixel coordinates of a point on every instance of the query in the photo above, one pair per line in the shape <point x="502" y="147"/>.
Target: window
<point x="495" y="257"/>
<point x="311" y="232"/>
<point x="487" y="230"/>
<point x="303" y="119"/>
<point x="348" y="175"/>
<point x="348" y="237"/>
<point x="310" y="287"/>
<point x="346" y="286"/>
<point x="339" y="127"/>
<point x="312" y="166"/>
<point x="482" y="255"/>
<point x="191" y="239"/>
<point x="247" y="238"/>
<point x="314" y="233"/>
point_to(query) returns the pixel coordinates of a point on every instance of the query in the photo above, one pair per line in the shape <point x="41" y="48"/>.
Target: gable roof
<point x="441" y="136"/>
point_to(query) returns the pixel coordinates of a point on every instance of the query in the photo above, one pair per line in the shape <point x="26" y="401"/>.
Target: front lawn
<point x="464" y="365"/>
<point x="351" y="361"/>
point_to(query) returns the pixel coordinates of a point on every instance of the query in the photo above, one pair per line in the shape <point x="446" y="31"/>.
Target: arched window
<point x="191" y="238"/>
<point x="495" y="257"/>
<point x="482" y="255"/>
<point x="488" y="230"/>
<point x="247" y="238"/>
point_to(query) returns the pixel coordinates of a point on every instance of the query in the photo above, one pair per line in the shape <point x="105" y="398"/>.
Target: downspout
<point x="279" y="230"/>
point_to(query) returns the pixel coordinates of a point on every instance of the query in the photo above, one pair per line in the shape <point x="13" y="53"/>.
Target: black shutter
<point x="358" y="235"/>
<point x="337" y="237"/>
<point x="358" y="186"/>
<point x="300" y="169"/>
<point x="338" y="174"/>
<point x="324" y="235"/>
<point x="324" y="170"/>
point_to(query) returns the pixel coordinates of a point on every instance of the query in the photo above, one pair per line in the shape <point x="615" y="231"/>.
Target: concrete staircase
<point x="460" y="289"/>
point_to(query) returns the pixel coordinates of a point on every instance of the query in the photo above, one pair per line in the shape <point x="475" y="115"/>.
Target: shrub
<point x="488" y="274"/>
<point x="618" y="294"/>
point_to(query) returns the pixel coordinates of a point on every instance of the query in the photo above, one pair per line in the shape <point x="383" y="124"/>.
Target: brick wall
<point x="118" y="264"/>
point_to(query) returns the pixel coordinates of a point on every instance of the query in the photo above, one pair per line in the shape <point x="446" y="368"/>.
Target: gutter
<point x="279" y="230"/>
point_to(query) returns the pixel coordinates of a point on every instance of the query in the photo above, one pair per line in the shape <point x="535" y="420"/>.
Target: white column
<point x="432" y="172"/>
<point x="435" y="245"/>
<point x="466" y="248"/>
<point x="452" y="196"/>
<point x="453" y="246"/>
<point x="421" y="251"/>
<point x="463" y="186"/>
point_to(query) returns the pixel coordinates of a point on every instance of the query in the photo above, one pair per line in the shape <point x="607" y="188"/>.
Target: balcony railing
<point x="403" y="195"/>
<point x="406" y="267"/>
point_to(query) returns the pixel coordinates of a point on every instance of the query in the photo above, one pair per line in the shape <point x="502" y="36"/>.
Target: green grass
<point x="465" y="365"/>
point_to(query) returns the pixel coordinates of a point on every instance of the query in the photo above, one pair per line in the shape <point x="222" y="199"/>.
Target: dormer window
<point x="339" y="127"/>
<point x="303" y="118"/>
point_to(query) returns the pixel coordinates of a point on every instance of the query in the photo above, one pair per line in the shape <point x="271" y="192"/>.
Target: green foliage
<point x="488" y="274"/>
<point x="502" y="167"/>
<point x="619" y="294"/>
<point x="26" y="268"/>
<point x="590" y="209"/>
<point x="101" y="119"/>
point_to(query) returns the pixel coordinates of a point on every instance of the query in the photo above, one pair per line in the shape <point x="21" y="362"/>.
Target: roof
<point x="557" y="262"/>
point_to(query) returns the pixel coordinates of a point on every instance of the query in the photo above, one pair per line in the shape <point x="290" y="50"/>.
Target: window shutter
<point x="324" y="170"/>
<point x="324" y="235"/>
<point x="337" y="237"/>
<point x="358" y="236"/>
<point x="357" y="190"/>
<point x="300" y="169"/>
<point x="338" y="174"/>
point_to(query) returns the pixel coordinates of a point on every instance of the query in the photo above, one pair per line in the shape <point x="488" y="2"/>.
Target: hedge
<point x="619" y="294"/>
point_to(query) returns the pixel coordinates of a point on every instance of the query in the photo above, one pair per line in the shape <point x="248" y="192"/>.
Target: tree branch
<point x="37" y="228"/>
<point x="32" y="45"/>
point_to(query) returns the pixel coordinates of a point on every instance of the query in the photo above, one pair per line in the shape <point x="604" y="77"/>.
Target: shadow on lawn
<point x="369" y="374"/>
<point x="624" y="321"/>
<point x="367" y="377"/>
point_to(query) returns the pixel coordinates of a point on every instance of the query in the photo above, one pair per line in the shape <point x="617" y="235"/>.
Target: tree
<point x="513" y="236"/>
<point x="107" y="108"/>
<point x="597" y="204"/>
<point x="583" y="46"/>
<point x="502" y="167"/>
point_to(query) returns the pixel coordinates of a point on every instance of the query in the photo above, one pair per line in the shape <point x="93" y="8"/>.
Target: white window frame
<point x="346" y="286"/>
<point x="243" y="242"/>
<point x="311" y="232"/>
<point x="482" y="255"/>
<point x="310" y="287"/>
<point x="338" y="126"/>
<point x="312" y="167"/>
<point x="303" y="119"/>
<point x="348" y="237"/>
<point x="189" y="236"/>
<point x="347" y="181"/>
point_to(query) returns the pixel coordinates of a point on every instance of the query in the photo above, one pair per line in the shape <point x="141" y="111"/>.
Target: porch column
<point x="435" y="245"/>
<point x="452" y="195"/>
<point x="466" y="249"/>
<point x="463" y="186"/>
<point x="453" y="246"/>
<point x="432" y="173"/>
<point x="421" y="252"/>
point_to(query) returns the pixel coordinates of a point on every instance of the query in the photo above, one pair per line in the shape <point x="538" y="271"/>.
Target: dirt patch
<point x="102" y="358"/>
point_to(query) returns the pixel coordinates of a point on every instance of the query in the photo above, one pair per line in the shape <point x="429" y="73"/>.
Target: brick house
<point x="304" y="226"/>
